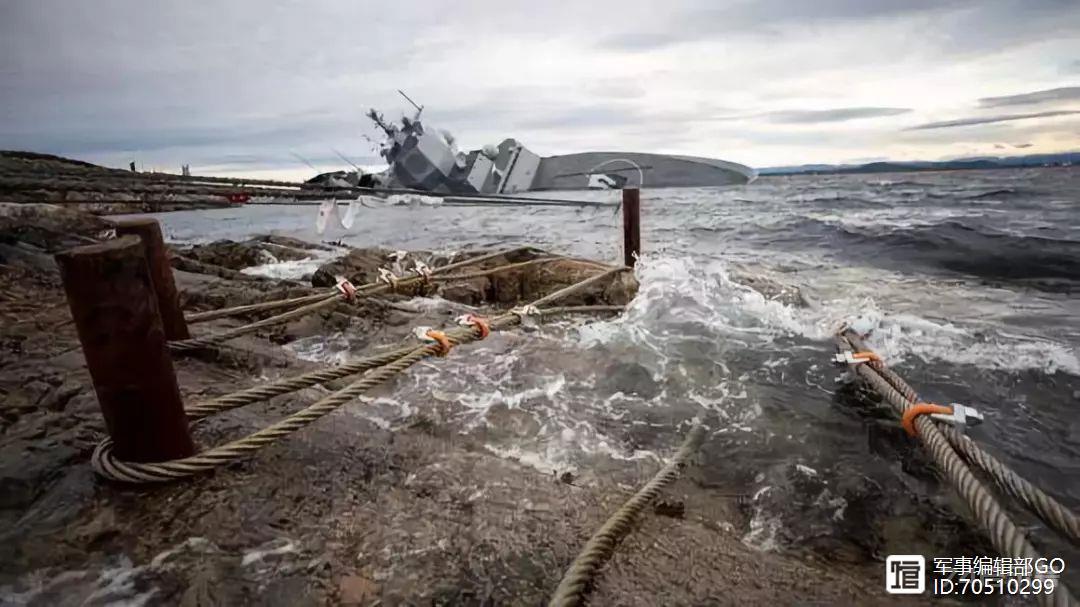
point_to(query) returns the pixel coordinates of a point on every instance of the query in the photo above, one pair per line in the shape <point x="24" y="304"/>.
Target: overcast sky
<point x="243" y="86"/>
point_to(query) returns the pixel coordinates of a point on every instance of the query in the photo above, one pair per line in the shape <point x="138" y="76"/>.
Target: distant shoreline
<point x="1064" y="159"/>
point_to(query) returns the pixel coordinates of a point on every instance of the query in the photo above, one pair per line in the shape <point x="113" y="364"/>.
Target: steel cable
<point x="1052" y="512"/>
<point x="1004" y="534"/>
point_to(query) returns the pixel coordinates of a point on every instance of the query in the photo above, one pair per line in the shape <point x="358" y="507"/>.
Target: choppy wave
<point x="703" y="301"/>
<point x="938" y="269"/>
<point x="1000" y="193"/>
<point x="289" y="270"/>
<point x="951" y="244"/>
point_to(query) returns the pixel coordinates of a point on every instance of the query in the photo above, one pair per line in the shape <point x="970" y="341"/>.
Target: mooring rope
<point x="263" y="392"/>
<point x="292" y="384"/>
<point x="1052" y="512"/>
<point x="319" y="302"/>
<point x="490" y="271"/>
<point x="106" y="464"/>
<point x="1048" y="509"/>
<point x="197" y="343"/>
<point x="198" y="317"/>
<point x="1006" y="537"/>
<point x="581" y="309"/>
<point x="600" y="547"/>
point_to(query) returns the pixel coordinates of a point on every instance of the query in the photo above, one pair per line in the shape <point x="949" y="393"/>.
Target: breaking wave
<point x="683" y="300"/>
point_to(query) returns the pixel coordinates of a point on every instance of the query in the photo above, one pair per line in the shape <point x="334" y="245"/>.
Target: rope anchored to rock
<point x="1008" y="539"/>
<point x="1051" y="511"/>
<point x="315" y="303"/>
<point x="380" y="368"/>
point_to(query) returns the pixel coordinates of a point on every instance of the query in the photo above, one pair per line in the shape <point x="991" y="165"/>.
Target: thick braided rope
<point x="600" y="547"/>
<point x="291" y="384"/>
<point x="106" y="464"/>
<point x="570" y="290"/>
<point x="199" y="343"/>
<point x="198" y="317"/>
<point x="490" y="271"/>
<point x="581" y="309"/>
<point x="1052" y="512"/>
<point x="285" y="303"/>
<point x="1006" y="537"/>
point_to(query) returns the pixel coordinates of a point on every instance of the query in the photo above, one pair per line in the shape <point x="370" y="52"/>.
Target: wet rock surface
<point x="347" y="511"/>
<point x="240" y="255"/>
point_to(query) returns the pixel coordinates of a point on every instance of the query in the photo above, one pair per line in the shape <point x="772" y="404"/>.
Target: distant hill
<point x="984" y="162"/>
<point x="21" y="159"/>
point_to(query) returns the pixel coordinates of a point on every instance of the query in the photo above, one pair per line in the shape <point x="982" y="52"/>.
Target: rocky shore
<point x="348" y="511"/>
<point x="34" y="178"/>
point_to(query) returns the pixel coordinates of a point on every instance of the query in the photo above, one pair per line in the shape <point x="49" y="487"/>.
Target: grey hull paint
<point x="571" y="171"/>
<point x="428" y="159"/>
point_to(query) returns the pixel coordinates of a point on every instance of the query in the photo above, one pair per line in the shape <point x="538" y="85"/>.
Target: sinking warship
<point x="428" y="159"/>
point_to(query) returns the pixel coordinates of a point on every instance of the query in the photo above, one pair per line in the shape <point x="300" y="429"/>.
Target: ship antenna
<point x="347" y="161"/>
<point x="419" y="108"/>
<point x="304" y="160"/>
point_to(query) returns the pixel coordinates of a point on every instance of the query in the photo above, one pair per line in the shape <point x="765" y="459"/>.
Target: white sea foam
<point x="680" y="304"/>
<point x="293" y="269"/>
<point x="764" y="525"/>
<point x="900" y="336"/>
<point x="119" y="582"/>
<point x="276" y="547"/>
<point x="333" y="348"/>
<point x="707" y="296"/>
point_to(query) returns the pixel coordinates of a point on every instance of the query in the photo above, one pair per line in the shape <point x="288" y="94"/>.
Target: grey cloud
<point x="178" y="82"/>
<point x="645" y="41"/>
<point x="1065" y="93"/>
<point x="147" y="136"/>
<point x="833" y="115"/>
<point x="287" y="160"/>
<point x="704" y="19"/>
<point x="617" y="89"/>
<point x="957" y="25"/>
<point x="945" y="124"/>
<point x="586" y="116"/>
<point x="1022" y="145"/>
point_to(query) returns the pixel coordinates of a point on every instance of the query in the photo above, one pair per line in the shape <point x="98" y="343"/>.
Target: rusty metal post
<point x="115" y="310"/>
<point x="631" y="223"/>
<point x="157" y="258"/>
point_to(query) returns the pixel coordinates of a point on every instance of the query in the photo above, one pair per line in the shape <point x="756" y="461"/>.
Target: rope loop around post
<point x="379" y="369"/>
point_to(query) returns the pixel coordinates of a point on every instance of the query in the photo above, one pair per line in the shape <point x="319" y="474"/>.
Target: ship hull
<point x="580" y="171"/>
